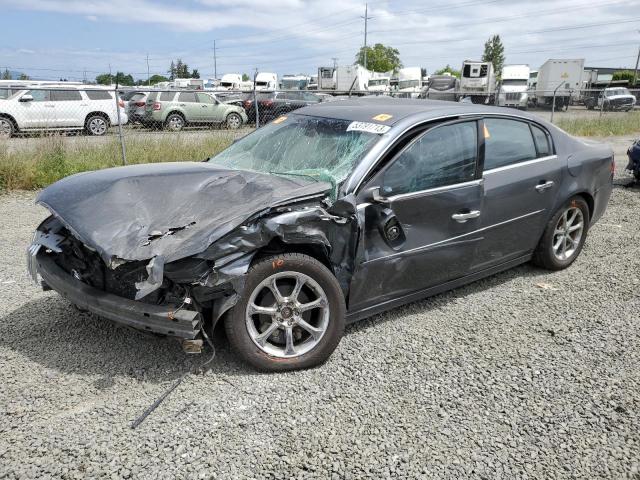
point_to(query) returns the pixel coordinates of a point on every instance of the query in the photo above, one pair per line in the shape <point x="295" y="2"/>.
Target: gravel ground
<point x="526" y="374"/>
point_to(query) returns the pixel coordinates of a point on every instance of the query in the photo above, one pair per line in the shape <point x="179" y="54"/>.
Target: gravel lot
<point x="526" y="374"/>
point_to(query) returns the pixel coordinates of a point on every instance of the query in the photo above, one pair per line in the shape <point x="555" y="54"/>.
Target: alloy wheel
<point x="6" y="128"/>
<point x="287" y="314"/>
<point x="233" y="121"/>
<point x="568" y="233"/>
<point x="175" y="122"/>
<point x="97" y="126"/>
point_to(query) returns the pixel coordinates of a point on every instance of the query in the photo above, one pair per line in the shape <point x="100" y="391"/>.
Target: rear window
<point x="65" y="95"/>
<point x="507" y="142"/>
<point x="98" y="95"/>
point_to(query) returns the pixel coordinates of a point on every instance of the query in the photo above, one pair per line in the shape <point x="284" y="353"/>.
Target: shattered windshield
<point x="323" y="149"/>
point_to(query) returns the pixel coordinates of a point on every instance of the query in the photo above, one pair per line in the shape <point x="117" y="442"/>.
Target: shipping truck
<point x="561" y="78"/>
<point x="514" y="86"/>
<point x="412" y="81"/>
<point x="266" y="81"/>
<point x="478" y="81"/>
<point x="347" y="78"/>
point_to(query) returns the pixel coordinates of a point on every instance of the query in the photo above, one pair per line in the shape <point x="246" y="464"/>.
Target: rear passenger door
<point x="522" y="177"/>
<point x="69" y="109"/>
<point x="189" y="105"/>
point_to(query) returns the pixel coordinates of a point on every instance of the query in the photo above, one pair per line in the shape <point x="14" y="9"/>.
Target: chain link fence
<point x="147" y="124"/>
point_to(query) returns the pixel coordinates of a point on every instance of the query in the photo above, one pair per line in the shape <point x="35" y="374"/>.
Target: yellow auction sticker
<point x="382" y="117"/>
<point x="279" y="120"/>
<point x="486" y="132"/>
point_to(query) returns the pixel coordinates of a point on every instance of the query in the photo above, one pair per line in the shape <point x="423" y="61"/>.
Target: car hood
<point x="172" y="210"/>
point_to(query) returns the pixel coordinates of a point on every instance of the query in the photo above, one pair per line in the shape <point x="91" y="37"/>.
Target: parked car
<point x="274" y="104"/>
<point x="176" y="110"/>
<point x="136" y="102"/>
<point x="335" y="213"/>
<point x="616" y="98"/>
<point x="65" y="107"/>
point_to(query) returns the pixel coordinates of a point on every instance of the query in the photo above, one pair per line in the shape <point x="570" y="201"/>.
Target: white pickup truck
<point x="613" y="98"/>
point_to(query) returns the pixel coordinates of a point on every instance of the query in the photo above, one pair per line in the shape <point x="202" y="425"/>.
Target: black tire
<point x="233" y="121"/>
<point x="237" y="328"/>
<point x="174" y="122"/>
<point x="96" y="125"/>
<point x="544" y="255"/>
<point x="7" y="127"/>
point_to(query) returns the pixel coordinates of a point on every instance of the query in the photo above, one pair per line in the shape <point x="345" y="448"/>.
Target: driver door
<point x="424" y="231"/>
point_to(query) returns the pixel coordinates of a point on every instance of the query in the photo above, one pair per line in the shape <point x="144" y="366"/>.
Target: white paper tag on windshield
<point x="368" y="127"/>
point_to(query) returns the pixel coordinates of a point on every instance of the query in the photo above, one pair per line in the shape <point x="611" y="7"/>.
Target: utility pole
<point x="366" y="18"/>
<point x="110" y="78"/>
<point x="215" y="62"/>
<point x="148" y="73"/>
<point x="335" y="62"/>
<point x="635" y="72"/>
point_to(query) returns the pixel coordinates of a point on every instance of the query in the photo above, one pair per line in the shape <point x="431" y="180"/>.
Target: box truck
<point x="562" y="76"/>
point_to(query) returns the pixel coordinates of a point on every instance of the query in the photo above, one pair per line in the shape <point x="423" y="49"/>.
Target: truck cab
<point x="266" y="81"/>
<point x="513" y="89"/>
<point x="230" y="81"/>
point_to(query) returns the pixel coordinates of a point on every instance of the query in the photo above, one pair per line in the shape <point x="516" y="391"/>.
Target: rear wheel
<point x="174" y="122"/>
<point x="234" y="121"/>
<point x="6" y="128"/>
<point x="290" y="316"/>
<point x="564" y="236"/>
<point x="96" y="125"/>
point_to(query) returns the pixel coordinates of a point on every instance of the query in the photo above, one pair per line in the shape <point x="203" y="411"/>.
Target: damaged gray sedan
<point x="326" y="216"/>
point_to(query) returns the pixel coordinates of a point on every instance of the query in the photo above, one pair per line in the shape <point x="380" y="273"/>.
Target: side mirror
<point x="26" y="98"/>
<point x="374" y="195"/>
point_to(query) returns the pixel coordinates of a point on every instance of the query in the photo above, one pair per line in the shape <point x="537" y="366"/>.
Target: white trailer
<point x="353" y="78"/>
<point x="266" y="81"/>
<point x="478" y="81"/>
<point x="562" y="76"/>
<point x="514" y="85"/>
<point x="295" y="82"/>
<point x="326" y="78"/>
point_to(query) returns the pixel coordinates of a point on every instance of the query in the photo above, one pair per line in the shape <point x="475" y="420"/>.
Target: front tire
<point x="290" y="316"/>
<point x="234" y="121"/>
<point x="564" y="236"/>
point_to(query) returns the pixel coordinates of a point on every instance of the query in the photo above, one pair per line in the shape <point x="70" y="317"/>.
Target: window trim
<point x="529" y="123"/>
<point x="520" y="164"/>
<point x="416" y="136"/>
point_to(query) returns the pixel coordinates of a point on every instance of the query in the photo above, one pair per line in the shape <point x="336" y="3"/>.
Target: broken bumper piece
<point x="142" y="316"/>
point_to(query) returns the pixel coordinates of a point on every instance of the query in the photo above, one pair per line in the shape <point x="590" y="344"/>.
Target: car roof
<point x="390" y="111"/>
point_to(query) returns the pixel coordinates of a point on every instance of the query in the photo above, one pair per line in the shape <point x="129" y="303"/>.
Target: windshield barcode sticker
<point x="368" y="127"/>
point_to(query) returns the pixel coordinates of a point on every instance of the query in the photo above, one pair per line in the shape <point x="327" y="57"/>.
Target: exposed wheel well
<point x="176" y="112"/>
<point x="99" y="114"/>
<point x="277" y="246"/>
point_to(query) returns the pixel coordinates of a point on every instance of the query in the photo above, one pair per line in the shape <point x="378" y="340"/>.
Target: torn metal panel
<point x="173" y="210"/>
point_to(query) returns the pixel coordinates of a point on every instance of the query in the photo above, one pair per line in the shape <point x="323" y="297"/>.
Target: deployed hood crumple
<point x="172" y="210"/>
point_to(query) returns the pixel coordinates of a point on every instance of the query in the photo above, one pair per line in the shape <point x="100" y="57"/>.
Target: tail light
<point x="247" y="103"/>
<point x="157" y="106"/>
<point x="139" y="104"/>
<point x="267" y="103"/>
<point x="121" y="103"/>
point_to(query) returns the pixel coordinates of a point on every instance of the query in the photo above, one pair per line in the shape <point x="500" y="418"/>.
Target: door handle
<point x="541" y="187"/>
<point x="463" y="217"/>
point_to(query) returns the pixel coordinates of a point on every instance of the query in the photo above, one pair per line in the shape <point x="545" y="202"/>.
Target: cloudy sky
<point x="73" y="38"/>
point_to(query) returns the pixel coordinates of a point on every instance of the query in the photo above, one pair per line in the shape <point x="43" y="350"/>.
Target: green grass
<point x="606" y="126"/>
<point x="43" y="161"/>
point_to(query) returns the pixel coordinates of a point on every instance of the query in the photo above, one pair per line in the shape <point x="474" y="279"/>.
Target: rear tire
<point x="288" y="333"/>
<point x="96" y="125"/>
<point x="7" y="128"/>
<point x="174" y="122"/>
<point x="564" y="235"/>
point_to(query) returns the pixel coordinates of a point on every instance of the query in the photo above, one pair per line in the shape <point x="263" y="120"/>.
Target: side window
<point x="204" y="98"/>
<point x="65" y="95"/>
<point x="187" y="97"/>
<point x="98" y="95"/>
<point x="39" y="95"/>
<point x="442" y="156"/>
<point x="167" y="96"/>
<point x="543" y="143"/>
<point x="506" y="142"/>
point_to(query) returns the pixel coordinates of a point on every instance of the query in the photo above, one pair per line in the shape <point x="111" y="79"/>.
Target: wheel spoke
<point x="316" y="333"/>
<point x="253" y="309"/>
<point x="262" y="338"/>
<point x="289" y="349"/>
<point x="575" y="227"/>
<point x="296" y="290"/>
<point x="318" y="303"/>
<point x="274" y="289"/>
<point x="558" y="243"/>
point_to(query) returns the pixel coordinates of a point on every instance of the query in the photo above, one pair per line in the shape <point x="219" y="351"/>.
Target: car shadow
<point x="54" y="334"/>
